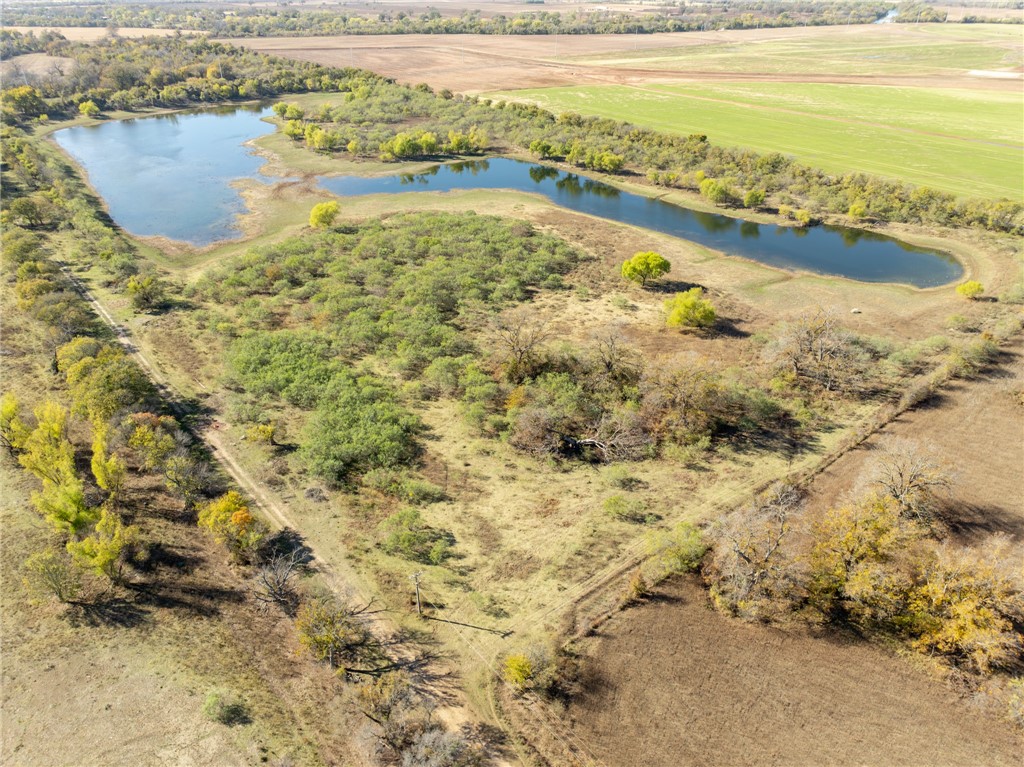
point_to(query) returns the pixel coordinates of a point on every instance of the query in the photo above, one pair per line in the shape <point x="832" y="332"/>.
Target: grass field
<point x="924" y="49"/>
<point x="964" y="142"/>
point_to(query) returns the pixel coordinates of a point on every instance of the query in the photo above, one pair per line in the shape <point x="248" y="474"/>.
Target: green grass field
<point x="896" y="50"/>
<point x="966" y="142"/>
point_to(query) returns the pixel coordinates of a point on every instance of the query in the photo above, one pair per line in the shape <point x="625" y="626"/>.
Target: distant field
<point x="964" y="142"/>
<point x="905" y="50"/>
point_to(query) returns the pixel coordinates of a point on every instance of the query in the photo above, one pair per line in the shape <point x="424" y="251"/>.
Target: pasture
<point x="959" y="141"/>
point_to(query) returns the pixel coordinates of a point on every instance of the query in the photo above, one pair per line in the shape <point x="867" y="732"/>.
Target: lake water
<point x="170" y="175"/>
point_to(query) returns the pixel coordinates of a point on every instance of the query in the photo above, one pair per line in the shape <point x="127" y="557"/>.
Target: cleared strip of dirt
<point x="673" y="683"/>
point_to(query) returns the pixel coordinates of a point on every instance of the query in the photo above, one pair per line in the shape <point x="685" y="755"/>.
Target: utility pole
<point x="415" y="578"/>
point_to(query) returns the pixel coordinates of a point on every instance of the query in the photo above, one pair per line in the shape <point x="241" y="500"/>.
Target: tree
<point x="24" y="99"/>
<point x="717" y="192"/>
<point x="229" y="521"/>
<point x="817" y="349"/>
<point x="146" y="293"/>
<point x="186" y="476"/>
<point x="847" y="539"/>
<point x="520" y="335"/>
<point x="109" y="470"/>
<point x="88" y="109"/>
<point x="323" y="214"/>
<point x="50" y="573"/>
<point x="46" y="450"/>
<point x="909" y="475"/>
<point x="13" y="430"/>
<point x="749" y="567"/>
<point x="754" y="198"/>
<point x="970" y="289"/>
<point x="273" y="581"/>
<point x="102" y="551"/>
<point x="332" y="632"/>
<point x="644" y="266"/>
<point x="690" y="310"/>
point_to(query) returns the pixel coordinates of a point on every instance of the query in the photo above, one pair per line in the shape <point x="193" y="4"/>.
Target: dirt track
<point x="674" y="683"/>
<point x="477" y="63"/>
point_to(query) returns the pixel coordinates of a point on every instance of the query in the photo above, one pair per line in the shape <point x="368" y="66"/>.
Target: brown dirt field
<point x="34" y="64"/>
<point x="477" y="63"/>
<point x="673" y="683"/>
<point x="91" y="34"/>
<point x="977" y="429"/>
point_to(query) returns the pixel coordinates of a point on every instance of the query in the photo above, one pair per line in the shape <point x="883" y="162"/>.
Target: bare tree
<point x="273" y="583"/>
<point x="748" y="565"/>
<point x="911" y="476"/>
<point x="520" y="335"/>
<point x="816" y="348"/>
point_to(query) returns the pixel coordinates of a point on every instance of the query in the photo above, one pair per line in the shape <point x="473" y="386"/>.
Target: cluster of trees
<point x="121" y="73"/>
<point x="374" y="118"/>
<point x="405" y="289"/>
<point x="269" y="22"/>
<point x="874" y="563"/>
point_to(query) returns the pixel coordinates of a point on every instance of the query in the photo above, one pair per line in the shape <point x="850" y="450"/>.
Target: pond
<point x="171" y="176"/>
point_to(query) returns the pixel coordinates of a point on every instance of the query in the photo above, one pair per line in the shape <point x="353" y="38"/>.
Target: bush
<point x="627" y="509"/>
<point x="323" y="214"/>
<point x="221" y="708"/>
<point x="970" y="290"/>
<point x="690" y="310"/>
<point x="409" y="537"/>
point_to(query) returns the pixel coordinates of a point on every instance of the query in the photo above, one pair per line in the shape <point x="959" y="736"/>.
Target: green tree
<point x="690" y="310"/>
<point x="754" y="198"/>
<point x="146" y="292"/>
<point x="970" y="289"/>
<point x="24" y="99"/>
<point x="109" y="470"/>
<point x="13" y="430"/>
<point x="102" y="551"/>
<point x="88" y="109"/>
<point x="323" y="214"/>
<point x="46" y="450"/>
<point x="644" y="266"/>
<point x="51" y="574"/>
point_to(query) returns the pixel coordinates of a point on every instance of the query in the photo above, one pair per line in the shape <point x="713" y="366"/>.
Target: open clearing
<point x="710" y="690"/>
<point x="964" y="142"/>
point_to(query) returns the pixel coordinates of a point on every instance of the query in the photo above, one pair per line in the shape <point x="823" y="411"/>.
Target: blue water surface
<point x="171" y="175"/>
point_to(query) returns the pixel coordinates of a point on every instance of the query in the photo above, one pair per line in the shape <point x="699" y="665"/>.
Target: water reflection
<point x="171" y="175"/>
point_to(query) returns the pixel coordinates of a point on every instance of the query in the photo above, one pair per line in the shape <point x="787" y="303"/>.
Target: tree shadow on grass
<point x="110" y="612"/>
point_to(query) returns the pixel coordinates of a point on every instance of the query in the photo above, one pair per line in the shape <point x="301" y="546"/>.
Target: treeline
<point x="118" y="73"/>
<point x="264" y="22"/>
<point x="102" y="432"/>
<point x="377" y="114"/>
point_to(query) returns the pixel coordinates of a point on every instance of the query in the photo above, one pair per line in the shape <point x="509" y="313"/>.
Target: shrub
<point x="323" y="214"/>
<point x="970" y="289"/>
<point x="690" y="310"/>
<point x="409" y="537"/>
<point x="221" y="708"/>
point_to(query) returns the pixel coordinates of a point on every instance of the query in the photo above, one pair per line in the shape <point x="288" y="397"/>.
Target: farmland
<point x="964" y="142"/>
